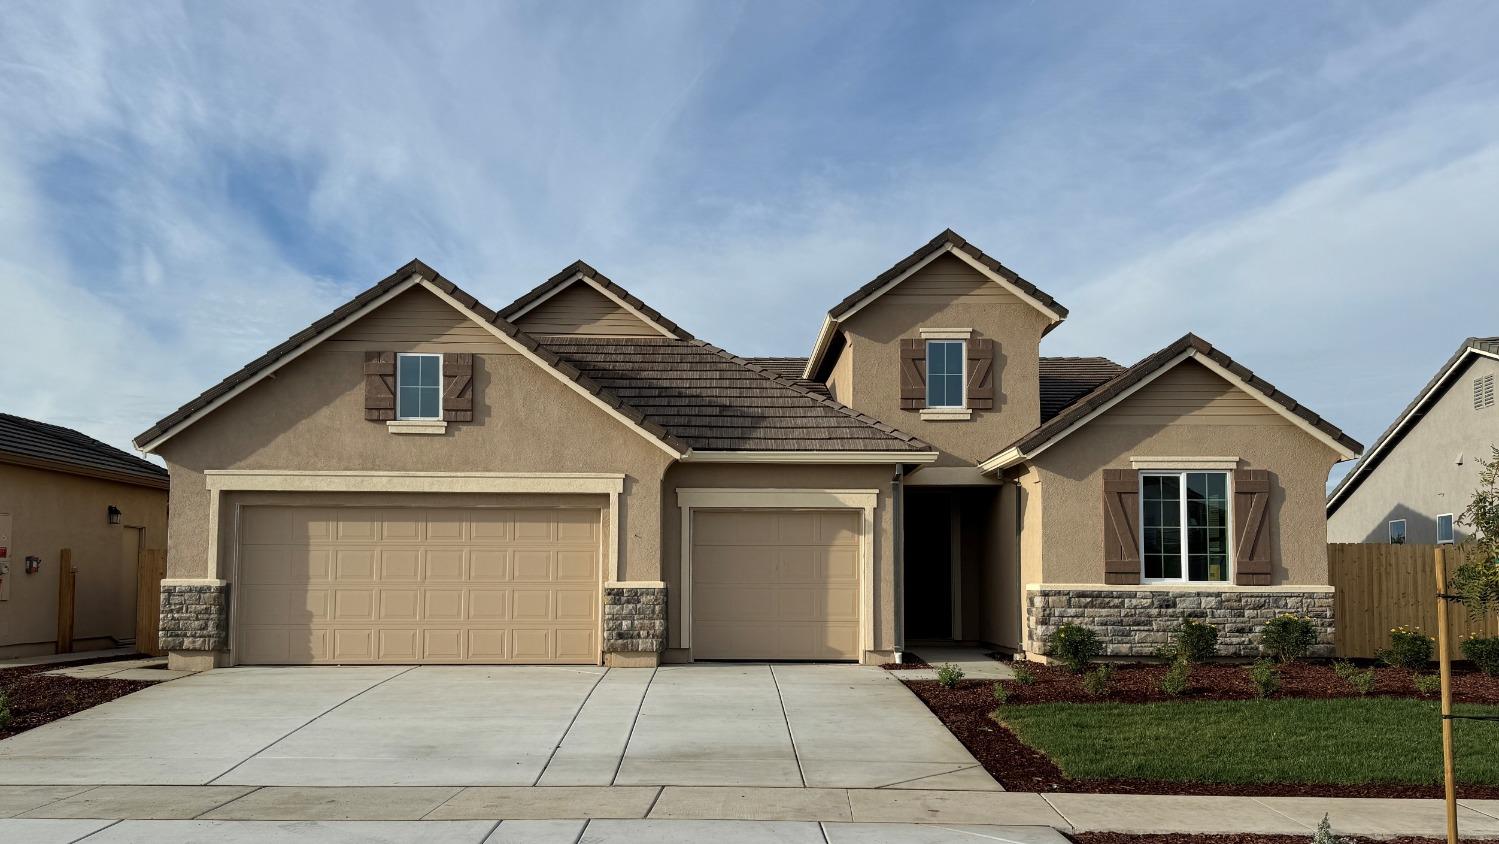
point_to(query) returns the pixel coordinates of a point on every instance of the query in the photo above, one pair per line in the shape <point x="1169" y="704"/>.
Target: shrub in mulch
<point x="1125" y="838"/>
<point x="1141" y="683"/>
<point x="1017" y="766"/>
<point x="36" y="698"/>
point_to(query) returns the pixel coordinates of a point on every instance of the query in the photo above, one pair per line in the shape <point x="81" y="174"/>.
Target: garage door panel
<point x="490" y="604"/>
<point x="354" y="564"/>
<point x="489" y="564"/>
<point x="443" y="605"/>
<point x="531" y="644"/>
<point x="353" y="604"/>
<point x="400" y="564"/>
<point x="532" y="566"/>
<point x="575" y="566"/>
<point x="776" y="584"/>
<point x="400" y="604"/>
<point x="490" y="645"/>
<point x="397" y="644"/>
<point x="574" y="604"/>
<point x="575" y="643"/>
<point x="353" y="644"/>
<point x="399" y="526"/>
<point x="445" y="565"/>
<point x="532" y="604"/>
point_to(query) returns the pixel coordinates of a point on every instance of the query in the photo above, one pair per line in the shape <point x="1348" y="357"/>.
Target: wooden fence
<point x="152" y="568"/>
<point x="1385" y="586"/>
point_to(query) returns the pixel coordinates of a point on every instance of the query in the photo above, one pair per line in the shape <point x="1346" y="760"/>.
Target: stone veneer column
<point x="194" y="621"/>
<point x="634" y="624"/>
<point x="1137" y="622"/>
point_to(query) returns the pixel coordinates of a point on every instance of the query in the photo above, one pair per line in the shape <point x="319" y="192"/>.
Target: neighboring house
<point x="62" y="489"/>
<point x="1419" y="476"/>
<point x="576" y="478"/>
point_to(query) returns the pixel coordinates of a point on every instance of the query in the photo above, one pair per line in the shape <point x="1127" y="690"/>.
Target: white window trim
<point x="416" y="426"/>
<point x="689" y="500"/>
<point x="1390" y="532"/>
<point x="1452" y="529"/>
<point x="946" y="333"/>
<point x="426" y="419"/>
<point x="962" y="375"/>
<point x="1185" y="464"/>
<point x="1228" y="516"/>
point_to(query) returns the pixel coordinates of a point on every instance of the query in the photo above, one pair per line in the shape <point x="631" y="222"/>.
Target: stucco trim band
<point x="782" y="499"/>
<point x="1183" y="463"/>
<point x="1175" y="587"/>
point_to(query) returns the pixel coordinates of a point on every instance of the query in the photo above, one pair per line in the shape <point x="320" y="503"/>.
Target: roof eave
<point x="804" y="457"/>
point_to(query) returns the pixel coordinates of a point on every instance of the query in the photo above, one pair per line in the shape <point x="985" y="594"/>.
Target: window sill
<point x="417" y="426"/>
<point x="946" y="414"/>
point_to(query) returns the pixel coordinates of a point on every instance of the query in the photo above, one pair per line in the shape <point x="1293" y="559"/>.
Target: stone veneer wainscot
<point x="1137" y="622"/>
<point x="194" y="616"/>
<point x="634" y="619"/>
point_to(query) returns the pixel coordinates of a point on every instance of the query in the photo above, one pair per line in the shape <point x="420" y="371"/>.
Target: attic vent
<point x="1483" y="392"/>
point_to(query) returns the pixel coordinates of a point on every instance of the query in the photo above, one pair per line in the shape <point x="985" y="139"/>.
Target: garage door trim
<point x="865" y="500"/>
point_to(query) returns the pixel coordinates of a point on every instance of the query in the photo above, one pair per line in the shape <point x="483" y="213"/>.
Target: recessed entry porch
<point x="956" y="585"/>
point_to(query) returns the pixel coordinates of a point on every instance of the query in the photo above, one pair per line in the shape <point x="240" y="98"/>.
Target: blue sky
<point x="1311" y="186"/>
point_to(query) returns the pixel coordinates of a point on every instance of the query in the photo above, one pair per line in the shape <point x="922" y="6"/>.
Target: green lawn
<point x="1378" y="740"/>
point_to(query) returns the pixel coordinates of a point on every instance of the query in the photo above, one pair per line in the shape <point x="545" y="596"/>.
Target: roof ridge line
<point x="827" y="401"/>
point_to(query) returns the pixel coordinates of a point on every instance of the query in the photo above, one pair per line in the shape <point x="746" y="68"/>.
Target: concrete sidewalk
<point x="772" y="811"/>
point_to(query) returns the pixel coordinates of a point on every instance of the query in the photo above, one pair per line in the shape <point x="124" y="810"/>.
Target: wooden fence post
<point x="67" y="584"/>
<point x="148" y="601"/>
<point x="1444" y="656"/>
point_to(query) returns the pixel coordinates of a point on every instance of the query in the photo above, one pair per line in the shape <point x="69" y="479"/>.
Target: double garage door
<point x="397" y="585"/>
<point x="776" y="584"/>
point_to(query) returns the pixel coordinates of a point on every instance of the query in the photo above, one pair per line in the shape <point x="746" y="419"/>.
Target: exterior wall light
<point x="114" y="515"/>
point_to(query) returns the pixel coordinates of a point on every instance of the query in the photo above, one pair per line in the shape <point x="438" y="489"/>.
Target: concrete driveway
<point x="832" y="726"/>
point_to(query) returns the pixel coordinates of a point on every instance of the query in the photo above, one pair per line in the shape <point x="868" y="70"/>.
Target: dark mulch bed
<point x="1019" y="767"/>
<point x="1124" y="838"/>
<point x="1141" y="683"/>
<point x="903" y="666"/>
<point x="37" y="699"/>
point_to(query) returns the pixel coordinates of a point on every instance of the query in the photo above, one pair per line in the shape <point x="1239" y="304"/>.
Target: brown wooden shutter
<point x="1253" y="561"/>
<point x="458" y="387"/>
<point x="980" y="389"/>
<point x="379" y="386"/>
<point x="1121" y="526"/>
<point x="912" y="373"/>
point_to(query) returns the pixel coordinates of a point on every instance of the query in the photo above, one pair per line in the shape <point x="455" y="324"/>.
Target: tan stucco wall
<point x="948" y="293"/>
<point x="51" y="511"/>
<point x="1000" y="583"/>
<point x="1071" y="475"/>
<point x="841" y="377"/>
<point x="580" y="309"/>
<point x="695" y="475"/>
<point x="1432" y="470"/>
<point x="310" y="416"/>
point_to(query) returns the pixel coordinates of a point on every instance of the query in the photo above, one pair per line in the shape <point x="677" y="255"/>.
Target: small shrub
<point x="1324" y="833"/>
<point x="1426" y="684"/>
<point x="1287" y="638"/>
<point x="1096" y="682"/>
<point x="4" y="711"/>
<point x="1177" y="677"/>
<point x="1001" y="693"/>
<point x="1197" y="640"/>
<point x="1361" y="680"/>
<point x="1409" y="648"/>
<point x="1024" y="675"/>
<point x="949" y="675"/>
<point x="1075" y="645"/>
<point x="1265" y="677"/>
<point x="1484" y="652"/>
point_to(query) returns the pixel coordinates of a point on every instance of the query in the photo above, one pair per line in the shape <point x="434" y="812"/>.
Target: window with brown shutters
<point x="912" y="373"/>
<point x="1253" y="556"/>
<point x="458" y="387"/>
<point x="980" y="388"/>
<point x="379" y="386"/>
<point x="1121" y="526"/>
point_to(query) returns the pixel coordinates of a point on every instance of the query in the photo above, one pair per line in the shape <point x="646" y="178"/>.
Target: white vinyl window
<point x="419" y="386"/>
<point x="1444" y="530"/>
<point x="1397" y="532"/>
<point x="1184" y="520"/>
<point x="944" y="373"/>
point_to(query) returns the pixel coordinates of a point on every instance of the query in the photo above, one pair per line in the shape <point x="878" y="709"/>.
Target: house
<point x="62" y="489"/>
<point x="1419" y="476"/>
<point x="575" y="478"/>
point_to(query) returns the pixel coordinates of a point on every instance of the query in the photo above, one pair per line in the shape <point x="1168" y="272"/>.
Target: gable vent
<point x="1483" y="392"/>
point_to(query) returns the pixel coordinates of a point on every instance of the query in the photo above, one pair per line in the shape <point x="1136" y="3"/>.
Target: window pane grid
<point x="944" y="373"/>
<point x="1184" y="526"/>
<point x="418" y="386"/>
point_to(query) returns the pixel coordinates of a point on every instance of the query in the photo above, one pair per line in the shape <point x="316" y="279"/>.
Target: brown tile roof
<point x="715" y="401"/>
<point x="948" y="236"/>
<point x="791" y="368"/>
<point x="31" y="443"/>
<point x="294" y="342"/>
<point x="1404" y="421"/>
<point x="1111" y="388"/>
<point x="1065" y="380"/>
<point x="577" y="268"/>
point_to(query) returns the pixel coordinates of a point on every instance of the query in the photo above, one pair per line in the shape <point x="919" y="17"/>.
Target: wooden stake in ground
<point x="1445" y="661"/>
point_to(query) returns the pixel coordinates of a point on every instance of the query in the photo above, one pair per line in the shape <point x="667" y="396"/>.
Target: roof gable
<point x="948" y="242"/>
<point x="581" y="309"/>
<point x="1129" y="382"/>
<point x="580" y="273"/>
<point x="27" y="442"/>
<point x="1471" y="349"/>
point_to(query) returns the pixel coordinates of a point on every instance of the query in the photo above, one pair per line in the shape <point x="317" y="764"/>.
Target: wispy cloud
<point x="184" y="185"/>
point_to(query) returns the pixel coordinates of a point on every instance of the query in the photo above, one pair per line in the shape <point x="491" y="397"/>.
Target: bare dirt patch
<point x="36" y="698"/>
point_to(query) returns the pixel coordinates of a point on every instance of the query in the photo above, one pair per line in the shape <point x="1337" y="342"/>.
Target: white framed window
<point x="944" y="372"/>
<point x="418" y="386"/>
<point x="1184" y="527"/>
<point x="1397" y="532"/>
<point x="1444" y="530"/>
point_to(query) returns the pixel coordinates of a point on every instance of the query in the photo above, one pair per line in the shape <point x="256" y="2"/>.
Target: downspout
<point x="898" y="501"/>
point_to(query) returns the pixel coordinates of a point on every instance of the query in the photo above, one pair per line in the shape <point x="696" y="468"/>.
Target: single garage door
<point x="367" y="585"/>
<point x="775" y="584"/>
